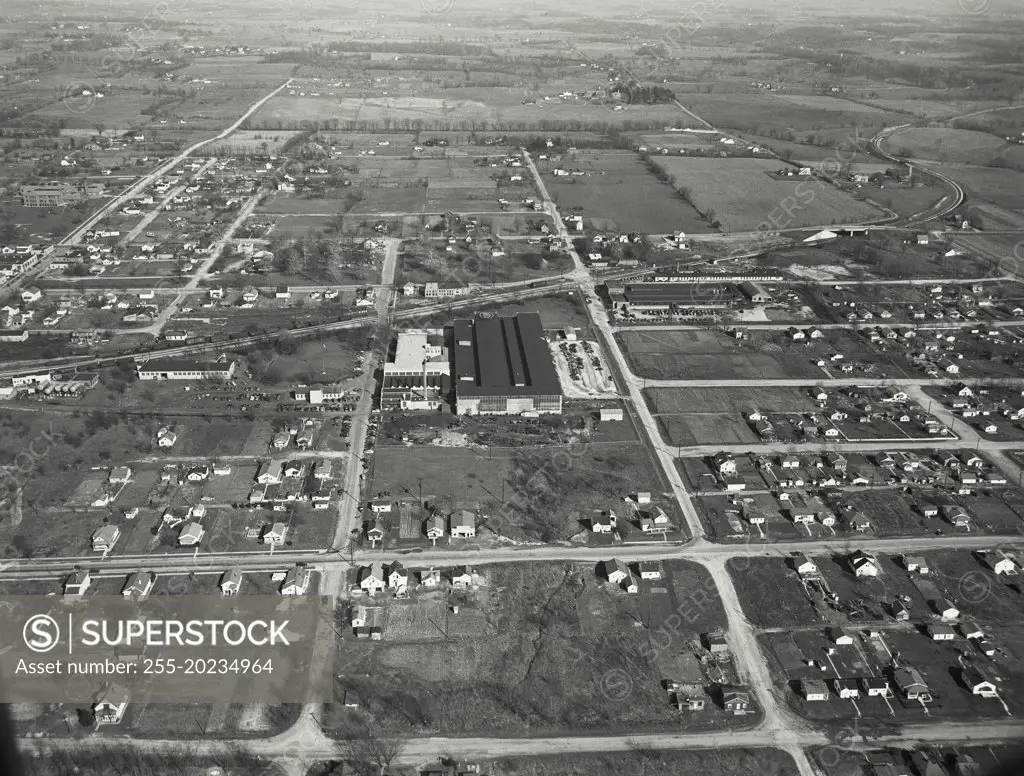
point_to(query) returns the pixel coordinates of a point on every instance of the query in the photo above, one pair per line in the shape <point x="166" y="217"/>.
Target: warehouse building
<point x="503" y="366"/>
<point x="417" y="375"/>
<point x="672" y="299"/>
<point x="58" y="193"/>
<point x="185" y="369"/>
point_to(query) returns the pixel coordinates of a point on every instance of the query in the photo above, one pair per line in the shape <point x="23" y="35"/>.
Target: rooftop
<point x="503" y="356"/>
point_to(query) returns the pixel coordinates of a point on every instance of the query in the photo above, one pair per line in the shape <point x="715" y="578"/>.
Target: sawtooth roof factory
<point x="503" y="366"/>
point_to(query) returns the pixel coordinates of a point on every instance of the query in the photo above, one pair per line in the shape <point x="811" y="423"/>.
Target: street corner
<point x="616" y="685"/>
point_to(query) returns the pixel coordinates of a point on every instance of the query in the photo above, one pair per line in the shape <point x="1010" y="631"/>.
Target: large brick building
<point x="58" y="193"/>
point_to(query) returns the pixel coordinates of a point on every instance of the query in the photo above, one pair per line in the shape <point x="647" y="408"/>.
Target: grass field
<point x="525" y="494"/>
<point x="715" y="762"/>
<point x="801" y="114"/>
<point x="675" y="355"/>
<point x="1003" y="187"/>
<point x="729" y="400"/>
<point x="619" y="194"/>
<point x="741" y="195"/>
<point x="527" y="654"/>
<point x="954" y="145"/>
<point x="770" y="592"/>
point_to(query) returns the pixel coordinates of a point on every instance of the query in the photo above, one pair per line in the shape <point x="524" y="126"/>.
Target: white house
<point x="139" y="584"/>
<point x="371" y="578"/>
<point x="110" y="705"/>
<point x="231" y="582"/>
<point x="296" y="581"/>
<point x="191" y="535"/>
<point x="1002" y="562"/>
<point x="864" y="565"/>
<point x="104" y="539"/>
<point x="77" y="584"/>
<point x="275" y="535"/>
<point x="462" y="524"/>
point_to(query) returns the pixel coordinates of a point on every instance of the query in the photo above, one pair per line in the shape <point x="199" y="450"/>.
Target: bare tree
<point x="373" y="755"/>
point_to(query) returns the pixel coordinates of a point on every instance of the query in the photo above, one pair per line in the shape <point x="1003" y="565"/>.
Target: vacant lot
<point x="677" y="355"/>
<point x="741" y="195"/>
<point x="730" y="400"/>
<point x="735" y="762"/>
<point x="525" y="494"/>
<point x="534" y="651"/>
<point x="771" y="593"/>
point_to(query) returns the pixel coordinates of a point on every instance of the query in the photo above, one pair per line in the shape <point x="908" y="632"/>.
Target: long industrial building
<point x="185" y="369"/>
<point x="503" y="366"/>
<point x="672" y="299"/>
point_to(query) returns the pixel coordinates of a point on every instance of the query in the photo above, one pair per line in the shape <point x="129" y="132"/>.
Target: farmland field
<point x="730" y="400"/>
<point x="953" y="145"/>
<point x="742" y="195"/>
<point x="1005" y="187"/>
<point x="761" y="113"/>
<point x="678" y="355"/>
<point x="619" y="194"/>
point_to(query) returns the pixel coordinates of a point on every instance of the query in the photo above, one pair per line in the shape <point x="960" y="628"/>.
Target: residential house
<point x="945" y="609"/>
<point x="371" y="578"/>
<point x="77" y="584"/>
<point x="736" y="701"/>
<point x="110" y="705"/>
<point x="462" y="524"/>
<point x="900" y="613"/>
<point x="376" y="529"/>
<point x="970" y="630"/>
<point x="864" y="565"/>
<point x="231" y="582"/>
<point x="876" y="687"/>
<point x="431" y="578"/>
<point x="461" y="578"/>
<point x="104" y="539"/>
<point x="814" y="690"/>
<point x="275" y="534"/>
<point x="296" y="580"/>
<point x="139" y="584"/>
<point x="804" y="566"/>
<point x="978" y="684"/>
<point x="1002" y="562"/>
<point x="397" y="576"/>
<point x="616" y="571"/>
<point x="435" y="527"/>
<point x="269" y="473"/>
<point x="915" y="563"/>
<point x="725" y="464"/>
<point x="119" y="475"/>
<point x="939" y="632"/>
<point x="840" y="636"/>
<point x="650" y="569"/>
<point x="191" y="535"/>
<point x="605" y="522"/>
<point x="847" y="689"/>
<point x="911" y="684"/>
